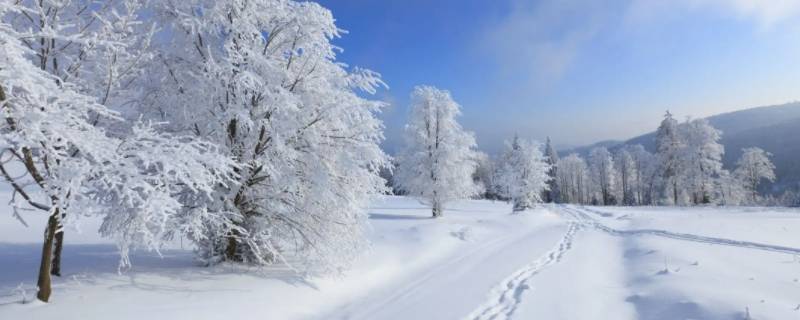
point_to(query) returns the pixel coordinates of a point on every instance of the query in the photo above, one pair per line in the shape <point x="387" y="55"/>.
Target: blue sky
<point x="578" y="71"/>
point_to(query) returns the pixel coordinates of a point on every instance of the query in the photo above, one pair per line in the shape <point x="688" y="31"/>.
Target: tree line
<point x="440" y="162"/>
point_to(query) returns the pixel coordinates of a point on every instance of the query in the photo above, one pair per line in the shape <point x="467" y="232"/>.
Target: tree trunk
<point x="675" y="193"/>
<point x="437" y="209"/>
<point x="231" y="249"/>
<point x="59" y="244"/>
<point x="44" y="284"/>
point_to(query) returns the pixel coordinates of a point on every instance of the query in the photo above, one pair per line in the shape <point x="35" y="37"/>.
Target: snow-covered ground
<point x="478" y="262"/>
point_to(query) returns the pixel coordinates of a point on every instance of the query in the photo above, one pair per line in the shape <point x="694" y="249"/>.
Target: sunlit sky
<point x="577" y="71"/>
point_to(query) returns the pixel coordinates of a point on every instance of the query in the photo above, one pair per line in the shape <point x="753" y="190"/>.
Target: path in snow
<point x="474" y="271"/>
<point x="584" y="218"/>
<point x="507" y="296"/>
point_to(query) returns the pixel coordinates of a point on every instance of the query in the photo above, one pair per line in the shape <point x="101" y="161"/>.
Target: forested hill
<point x="775" y="129"/>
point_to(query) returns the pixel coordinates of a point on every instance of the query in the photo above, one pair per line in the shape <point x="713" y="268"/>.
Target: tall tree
<point x="98" y="49"/>
<point x="753" y="167"/>
<point x="134" y="179"/>
<point x="702" y="159"/>
<point x="262" y="80"/>
<point x="551" y="157"/>
<point x="523" y="173"/>
<point x="438" y="160"/>
<point x="644" y="164"/>
<point x="669" y="146"/>
<point x="72" y="168"/>
<point x="626" y="169"/>
<point x="601" y="168"/>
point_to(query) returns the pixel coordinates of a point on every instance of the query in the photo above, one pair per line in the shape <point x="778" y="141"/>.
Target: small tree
<point x="484" y="175"/>
<point x="438" y="160"/>
<point x="753" y="167"/>
<point x="551" y="194"/>
<point x="523" y="173"/>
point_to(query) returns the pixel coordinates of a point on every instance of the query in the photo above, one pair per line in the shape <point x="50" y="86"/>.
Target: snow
<point x="478" y="261"/>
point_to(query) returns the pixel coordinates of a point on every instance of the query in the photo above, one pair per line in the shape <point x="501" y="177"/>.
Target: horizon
<point x="579" y="72"/>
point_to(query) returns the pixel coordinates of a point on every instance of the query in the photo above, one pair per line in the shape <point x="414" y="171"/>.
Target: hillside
<point x="775" y="129"/>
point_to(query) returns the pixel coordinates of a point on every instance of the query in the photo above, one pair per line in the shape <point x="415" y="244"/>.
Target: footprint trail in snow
<point x="506" y="297"/>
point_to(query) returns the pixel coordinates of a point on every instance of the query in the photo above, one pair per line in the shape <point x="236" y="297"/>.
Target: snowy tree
<point x="731" y="190"/>
<point x="73" y="168"/>
<point x="601" y="168"/>
<point x="261" y="79"/>
<point x="625" y="167"/>
<point x="573" y="179"/>
<point x="551" y="157"/>
<point x="438" y="160"/>
<point x="523" y="173"/>
<point x="99" y="50"/>
<point x="645" y="179"/>
<point x="484" y="175"/>
<point x="702" y="157"/>
<point x="753" y="167"/>
<point x="669" y="146"/>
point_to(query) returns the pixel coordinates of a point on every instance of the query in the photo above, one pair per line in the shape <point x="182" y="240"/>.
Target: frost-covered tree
<point x="261" y="79"/>
<point x="71" y="168"/>
<point x="98" y="49"/>
<point x="603" y="173"/>
<point x="484" y="175"/>
<point x="702" y="159"/>
<point x="669" y="146"/>
<point x="731" y="190"/>
<point x="551" y="157"/>
<point x="753" y="167"/>
<point x="438" y="159"/>
<point x="573" y="179"/>
<point x="646" y="175"/>
<point x="522" y="173"/>
<point x="625" y="167"/>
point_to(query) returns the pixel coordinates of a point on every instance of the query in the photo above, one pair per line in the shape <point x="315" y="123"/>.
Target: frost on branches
<point x="573" y="179"/>
<point x="753" y="167"/>
<point x="59" y="159"/>
<point x="439" y="158"/>
<point x="703" y="157"/>
<point x="522" y="174"/>
<point x="261" y="80"/>
<point x="603" y="174"/>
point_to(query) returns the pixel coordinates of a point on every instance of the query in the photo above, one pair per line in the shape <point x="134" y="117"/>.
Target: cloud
<point x="541" y="39"/>
<point x="765" y="13"/>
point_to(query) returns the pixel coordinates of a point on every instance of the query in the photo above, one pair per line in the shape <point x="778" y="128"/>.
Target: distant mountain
<point x="775" y="129"/>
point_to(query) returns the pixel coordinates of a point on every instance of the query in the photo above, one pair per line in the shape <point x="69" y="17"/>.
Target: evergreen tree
<point x="551" y="157"/>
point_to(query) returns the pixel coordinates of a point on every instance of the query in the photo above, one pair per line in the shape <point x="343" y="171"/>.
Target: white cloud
<point x="765" y="13"/>
<point x="540" y="40"/>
